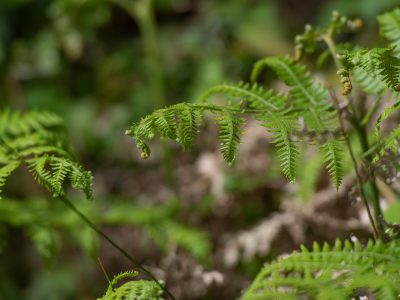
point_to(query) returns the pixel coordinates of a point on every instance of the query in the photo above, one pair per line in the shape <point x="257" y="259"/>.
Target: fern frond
<point x="339" y="272"/>
<point x="254" y="94"/>
<point x="380" y="64"/>
<point x="133" y="290"/>
<point x="305" y="91"/>
<point x="390" y="27"/>
<point x="310" y="96"/>
<point x="38" y="139"/>
<point x="230" y="132"/>
<point x="183" y="121"/>
<point x="15" y="123"/>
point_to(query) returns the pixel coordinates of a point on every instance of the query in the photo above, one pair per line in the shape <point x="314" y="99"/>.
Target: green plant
<point x="39" y="141"/>
<point x="311" y="112"/>
<point x="344" y="271"/>
<point x="133" y="290"/>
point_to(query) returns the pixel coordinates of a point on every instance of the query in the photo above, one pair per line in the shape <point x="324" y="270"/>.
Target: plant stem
<point x="137" y="264"/>
<point x="355" y="164"/>
<point x="361" y="131"/>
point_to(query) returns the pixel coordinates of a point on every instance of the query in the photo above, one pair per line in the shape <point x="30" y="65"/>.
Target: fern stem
<point x="371" y="111"/>
<point x="362" y="135"/>
<point x="137" y="264"/>
<point x="355" y="164"/>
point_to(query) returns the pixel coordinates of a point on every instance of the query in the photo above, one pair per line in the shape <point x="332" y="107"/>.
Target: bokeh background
<point x="203" y="227"/>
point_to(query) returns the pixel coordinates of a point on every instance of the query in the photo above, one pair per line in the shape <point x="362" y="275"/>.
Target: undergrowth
<point x="309" y="113"/>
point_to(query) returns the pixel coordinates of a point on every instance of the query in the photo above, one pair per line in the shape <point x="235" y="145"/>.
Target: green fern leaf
<point x="133" y="290"/>
<point x="304" y="89"/>
<point x="230" y="132"/>
<point x="339" y="272"/>
<point x="283" y="128"/>
<point x="310" y="97"/>
<point x="379" y="63"/>
<point x="38" y="139"/>
<point x="189" y="120"/>
<point x="333" y="158"/>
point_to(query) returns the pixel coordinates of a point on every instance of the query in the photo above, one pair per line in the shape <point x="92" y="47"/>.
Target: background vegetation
<point x="203" y="227"/>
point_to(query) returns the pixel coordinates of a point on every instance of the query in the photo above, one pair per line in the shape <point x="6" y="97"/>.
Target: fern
<point x="133" y="290"/>
<point x="38" y="140"/>
<point x="278" y="114"/>
<point x="309" y="97"/>
<point x="275" y="114"/>
<point x="379" y="63"/>
<point x="341" y="272"/>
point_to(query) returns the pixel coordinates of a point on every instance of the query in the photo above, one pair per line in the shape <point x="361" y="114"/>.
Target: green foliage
<point x="38" y="140"/>
<point x="341" y="272"/>
<point x="279" y="115"/>
<point x="380" y="63"/>
<point x="44" y="222"/>
<point x="133" y="290"/>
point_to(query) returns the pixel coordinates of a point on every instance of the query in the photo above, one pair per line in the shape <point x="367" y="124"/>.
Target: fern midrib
<point x="246" y="92"/>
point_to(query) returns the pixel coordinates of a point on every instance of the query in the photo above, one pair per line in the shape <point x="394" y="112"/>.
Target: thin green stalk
<point x="355" y="164"/>
<point x="361" y="131"/>
<point x="137" y="264"/>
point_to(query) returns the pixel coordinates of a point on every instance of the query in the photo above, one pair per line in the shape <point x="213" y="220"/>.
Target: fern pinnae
<point x="282" y="128"/>
<point x="305" y="93"/>
<point x="331" y="273"/>
<point x="230" y="132"/>
<point x="189" y="119"/>
<point x="333" y="158"/>
<point x="133" y="290"/>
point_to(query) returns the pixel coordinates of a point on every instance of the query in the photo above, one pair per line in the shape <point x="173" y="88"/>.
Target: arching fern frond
<point x="180" y="122"/>
<point x="305" y="91"/>
<point x="341" y="272"/>
<point x="39" y="140"/>
<point x="133" y="290"/>
<point x="379" y="63"/>
<point x="309" y="97"/>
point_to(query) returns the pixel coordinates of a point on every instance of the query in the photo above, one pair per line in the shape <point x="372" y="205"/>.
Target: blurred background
<point x="201" y="226"/>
